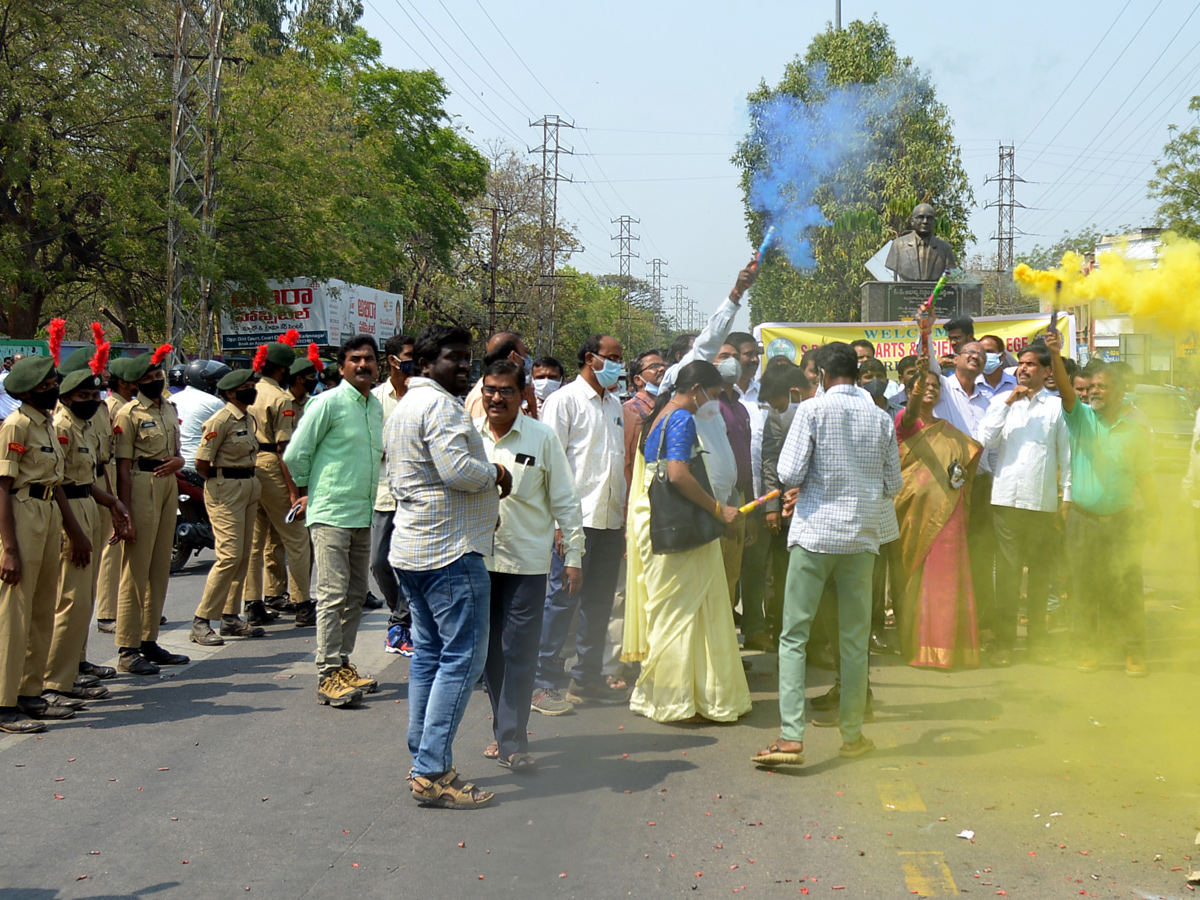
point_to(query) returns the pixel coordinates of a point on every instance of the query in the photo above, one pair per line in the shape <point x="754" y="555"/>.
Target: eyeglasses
<point x="617" y="359"/>
<point x="653" y="367"/>
<point x="506" y="392"/>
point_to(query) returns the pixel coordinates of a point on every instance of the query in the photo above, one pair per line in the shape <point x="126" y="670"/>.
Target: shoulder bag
<point x="676" y="523"/>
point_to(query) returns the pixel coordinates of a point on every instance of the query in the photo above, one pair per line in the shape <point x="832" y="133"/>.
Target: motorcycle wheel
<point x="182" y="552"/>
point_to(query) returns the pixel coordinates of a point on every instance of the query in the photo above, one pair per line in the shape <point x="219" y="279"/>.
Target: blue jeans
<point x="603" y="549"/>
<point x="450" y="613"/>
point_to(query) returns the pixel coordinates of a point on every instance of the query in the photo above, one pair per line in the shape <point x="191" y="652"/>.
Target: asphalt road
<point x="225" y="778"/>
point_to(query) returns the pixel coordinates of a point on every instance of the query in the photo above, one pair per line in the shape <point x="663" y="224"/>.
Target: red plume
<point x="314" y="357"/>
<point x="290" y="337"/>
<point x="97" y="333"/>
<point x="260" y="358"/>
<point x="58" y="330"/>
<point x="160" y="354"/>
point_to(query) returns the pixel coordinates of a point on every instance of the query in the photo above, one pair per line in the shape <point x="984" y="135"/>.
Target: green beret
<point x="78" y="359"/>
<point x="28" y="373"/>
<point x="120" y="367"/>
<point x="80" y="378"/>
<point x="280" y="355"/>
<point x="302" y="366"/>
<point x="235" y="379"/>
<point x="138" y="366"/>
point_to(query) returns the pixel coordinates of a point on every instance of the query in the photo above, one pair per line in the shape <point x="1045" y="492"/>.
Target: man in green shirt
<point x="334" y="459"/>
<point x="1111" y="464"/>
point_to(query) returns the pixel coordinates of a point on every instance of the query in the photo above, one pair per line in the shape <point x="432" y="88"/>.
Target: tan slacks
<point x="27" y="607"/>
<point x="275" y="583"/>
<point x="273" y="505"/>
<point x="146" y="563"/>
<point x="232" y="506"/>
<point x="108" y="574"/>
<point x="76" y="591"/>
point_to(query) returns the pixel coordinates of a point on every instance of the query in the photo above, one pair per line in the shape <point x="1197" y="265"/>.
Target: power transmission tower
<point x="625" y="238"/>
<point x="656" y="299"/>
<point x="548" y="244"/>
<point x="1006" y="202"/>
<point x="683" y="318"/>
<point x="195" y="112"/>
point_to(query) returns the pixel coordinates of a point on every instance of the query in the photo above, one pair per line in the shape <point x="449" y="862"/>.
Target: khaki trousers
<point x="27" y="607"/>
<point x="343" y="567"/>
<point x="232" y="505"/>
<point x="146" y="563"/>
<point x="273" y="506"/>
<point x="275" y="561"/>
<point x="108" y="574"/>
<point x="76" y="591"/>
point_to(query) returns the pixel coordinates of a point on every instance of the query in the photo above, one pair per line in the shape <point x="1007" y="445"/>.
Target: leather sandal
<point x="518" y="762"/>
<point x="448" y="791"/>
<point x="775" y="755"/>
<point x="492" y="751"/>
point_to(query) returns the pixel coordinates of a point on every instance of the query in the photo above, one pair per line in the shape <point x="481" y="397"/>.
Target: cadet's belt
<point x="237" y="473"/>
<point x="149" y="465"/>
<point x="77" y="491"/>
<point x="37" y="491"/>
<point x="268" y="448"/>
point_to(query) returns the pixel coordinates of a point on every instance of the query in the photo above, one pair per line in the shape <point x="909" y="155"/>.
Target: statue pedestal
<point x="895" y="301"/>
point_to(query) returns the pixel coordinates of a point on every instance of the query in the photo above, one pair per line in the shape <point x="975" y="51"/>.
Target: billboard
<point x="324" y="313"/>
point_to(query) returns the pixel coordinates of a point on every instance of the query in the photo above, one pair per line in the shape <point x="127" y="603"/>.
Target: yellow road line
<point x="900" y="795"/>
<point x="927" y="874"/>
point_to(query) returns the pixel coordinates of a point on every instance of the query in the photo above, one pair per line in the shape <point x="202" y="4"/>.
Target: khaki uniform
<point x="81" y="442"/>
<point x="275" y="583"/>
<point x="274" y="419"/>
<point x="32" y="457"/>
<point x="230" y="446"/>
<point x="108" y="573"/>
<point x="146" y="434"/>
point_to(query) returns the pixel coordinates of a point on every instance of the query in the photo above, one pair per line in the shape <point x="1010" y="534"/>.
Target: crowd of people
<point x="523" y="522"/>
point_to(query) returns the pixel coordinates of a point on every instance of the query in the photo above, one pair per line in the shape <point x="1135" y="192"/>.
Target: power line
<point x="503" y="81"/>
<point x="518" y="55"/>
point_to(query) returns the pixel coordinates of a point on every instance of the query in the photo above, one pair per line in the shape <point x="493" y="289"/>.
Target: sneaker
<point x="351" y="677"/>
<point x="828" y="700"/>
<point x="831" y="718"/>
<point x="232" y="626"/>
<point x="1088" y="663"/>
<point x="135" y="664"/>
<point x="333" y="690"/>
<point x="861" y="747"/>
<point x="1135" y="665"/>
<point x="550" y="703"/>
<point x="202" y="633"/>
<point x="597" y="693"/>
<point x="399" y="640"/>
<point x="157" y="655"/>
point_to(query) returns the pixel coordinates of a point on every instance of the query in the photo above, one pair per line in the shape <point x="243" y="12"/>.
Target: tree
<point x="869" y="200"/>
<point x="1177" y="180"/>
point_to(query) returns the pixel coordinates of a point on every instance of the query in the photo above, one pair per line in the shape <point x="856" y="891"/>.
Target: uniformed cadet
<point x="274" y="419"/>
<point x="31" y="470"/>
<point x="147" y="451"/>
<point x="108" y="574"/>
<point x="225" y="459"/>
<point x="81" y="433"/>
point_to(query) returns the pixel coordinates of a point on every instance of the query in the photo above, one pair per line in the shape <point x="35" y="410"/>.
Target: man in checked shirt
<point x="835" y="533"/>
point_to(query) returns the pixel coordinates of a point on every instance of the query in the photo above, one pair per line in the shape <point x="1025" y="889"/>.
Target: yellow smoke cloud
<point x="1168" y="290"/>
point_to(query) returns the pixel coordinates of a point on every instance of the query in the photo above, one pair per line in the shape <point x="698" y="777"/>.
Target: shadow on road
<point x="11" y="893"/>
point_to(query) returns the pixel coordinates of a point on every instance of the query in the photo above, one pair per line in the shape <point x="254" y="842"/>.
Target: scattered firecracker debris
<point x="59" y="797"/>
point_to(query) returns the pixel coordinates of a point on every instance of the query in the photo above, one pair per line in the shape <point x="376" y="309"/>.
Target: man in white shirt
<point x="1028" y="431"/>
<point x="8" y="403"/>
<point x="197" y="403"/>
<point x="543" y="493"/>
<point x="590" y="423"/>
<point x="995" y="379"/>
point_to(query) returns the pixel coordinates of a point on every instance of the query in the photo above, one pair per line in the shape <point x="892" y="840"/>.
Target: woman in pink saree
<point x="936" y="617"/>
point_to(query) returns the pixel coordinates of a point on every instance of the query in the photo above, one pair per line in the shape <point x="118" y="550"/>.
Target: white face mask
<point x="730" y="369"/>
<point x="544" y="387"/>
<point x="792" y="407"/>
<point x="709" y="410"/>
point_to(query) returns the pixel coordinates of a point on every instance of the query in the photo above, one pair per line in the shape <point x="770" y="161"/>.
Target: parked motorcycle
<point x="193" y="531"/>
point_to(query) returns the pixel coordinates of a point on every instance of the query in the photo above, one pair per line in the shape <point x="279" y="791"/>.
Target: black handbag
<point x="676" y="523"/>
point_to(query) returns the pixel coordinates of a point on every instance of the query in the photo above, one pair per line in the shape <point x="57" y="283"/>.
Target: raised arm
<point x="1066" y="390"/>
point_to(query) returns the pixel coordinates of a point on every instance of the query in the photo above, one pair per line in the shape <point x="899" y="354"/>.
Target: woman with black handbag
<point x="678" y="620"/>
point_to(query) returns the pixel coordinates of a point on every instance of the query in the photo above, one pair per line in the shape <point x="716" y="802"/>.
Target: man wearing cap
<point x="225" y="460"/>
<point x="147" y="451"/>
<point x="108" y="574"/>
<point x="274" y="420"/>
<point x="31" y="470"/>
<point x="83" y="437"/>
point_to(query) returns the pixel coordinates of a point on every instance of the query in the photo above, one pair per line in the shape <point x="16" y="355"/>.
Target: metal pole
<point x="838" y="15"/>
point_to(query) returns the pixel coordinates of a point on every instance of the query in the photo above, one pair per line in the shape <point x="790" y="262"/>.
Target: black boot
<point x="306" y="615"/>
<point x="258" y="614"/>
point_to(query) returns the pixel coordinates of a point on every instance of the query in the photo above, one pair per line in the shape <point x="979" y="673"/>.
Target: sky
<point x="657" y="94"/>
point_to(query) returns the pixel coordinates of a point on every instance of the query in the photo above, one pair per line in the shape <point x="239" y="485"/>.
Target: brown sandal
<point x="448" y="791"/>
<point x="492" y="751"/>
<point x="775" y="755"/>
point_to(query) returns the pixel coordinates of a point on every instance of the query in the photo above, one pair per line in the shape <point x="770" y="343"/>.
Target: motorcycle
<point x="193" y="531"/>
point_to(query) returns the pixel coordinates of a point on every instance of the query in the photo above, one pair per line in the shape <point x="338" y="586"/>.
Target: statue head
<point x="923" y="219"/>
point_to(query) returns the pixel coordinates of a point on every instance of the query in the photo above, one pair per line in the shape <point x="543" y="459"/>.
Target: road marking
<point x="926" y="874"/>
<point x="900" y="795"/>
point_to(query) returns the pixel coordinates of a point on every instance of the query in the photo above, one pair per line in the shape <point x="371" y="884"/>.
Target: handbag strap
<point x="662" y="436"/>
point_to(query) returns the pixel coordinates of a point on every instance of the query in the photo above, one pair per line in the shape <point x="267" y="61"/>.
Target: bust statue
<point x="920" y="255"/>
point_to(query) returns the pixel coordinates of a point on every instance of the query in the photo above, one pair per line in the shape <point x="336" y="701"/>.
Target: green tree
<point x="1176" y="183"/>
<point x="870" y="201"/>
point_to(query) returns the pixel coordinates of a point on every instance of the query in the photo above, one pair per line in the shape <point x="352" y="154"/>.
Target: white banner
<point x="324" y="313"/>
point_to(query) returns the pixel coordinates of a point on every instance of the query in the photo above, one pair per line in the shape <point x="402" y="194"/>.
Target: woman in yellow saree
<point x="936" y="619"/>
<point x="678" y="619"/>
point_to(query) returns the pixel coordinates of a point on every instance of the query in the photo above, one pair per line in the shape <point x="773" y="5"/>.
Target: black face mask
<point x="152" y="389"/>
<point x="246" y="395"/>
<point x="44" y="400"/>
<point x="406" y="366"/>
<point x="85" y="409"/>
<point x="310" y="385"/>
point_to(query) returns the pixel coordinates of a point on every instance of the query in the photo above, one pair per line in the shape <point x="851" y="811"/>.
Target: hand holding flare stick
<point x="757" y="502"/>
<point x="1054" y="306"/>
<point x="767" y="240"/>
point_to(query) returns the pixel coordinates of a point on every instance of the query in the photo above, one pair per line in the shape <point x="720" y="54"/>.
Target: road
<point x="225" y="778"/>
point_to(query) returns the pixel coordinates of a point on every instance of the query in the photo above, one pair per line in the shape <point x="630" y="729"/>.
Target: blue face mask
<point x="651" y="389"/>
<point x="609" y="374"/>
<point x="992" y="363"/>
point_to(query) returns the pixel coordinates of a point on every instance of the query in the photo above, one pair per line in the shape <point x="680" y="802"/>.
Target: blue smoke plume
<point x="802" y="146"/>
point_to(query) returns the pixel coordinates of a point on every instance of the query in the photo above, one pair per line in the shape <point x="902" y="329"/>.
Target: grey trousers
<point x="342" y="559"/>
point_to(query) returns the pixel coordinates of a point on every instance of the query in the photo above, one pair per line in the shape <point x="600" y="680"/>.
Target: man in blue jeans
<point x="446" y="512"/>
